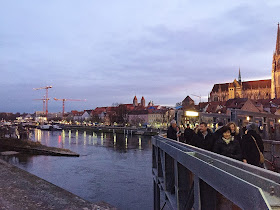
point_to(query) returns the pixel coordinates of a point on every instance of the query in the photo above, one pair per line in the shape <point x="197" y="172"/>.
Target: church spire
<point x="278" y="42"/>
<point x="239" y="76"/>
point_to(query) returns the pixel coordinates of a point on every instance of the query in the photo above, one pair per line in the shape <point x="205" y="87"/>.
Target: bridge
<point x="186" y="177"/>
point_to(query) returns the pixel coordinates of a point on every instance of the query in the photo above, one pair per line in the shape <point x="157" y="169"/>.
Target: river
<point x="114" y="168"/>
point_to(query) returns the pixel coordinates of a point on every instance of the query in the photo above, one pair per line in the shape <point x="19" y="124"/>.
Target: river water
<point x="114" y="168"/>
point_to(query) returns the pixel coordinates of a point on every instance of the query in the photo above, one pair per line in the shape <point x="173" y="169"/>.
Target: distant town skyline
<point x="108" y="52"/>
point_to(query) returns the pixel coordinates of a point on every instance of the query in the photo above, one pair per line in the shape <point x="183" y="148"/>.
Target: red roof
<point x="245" y="85"/>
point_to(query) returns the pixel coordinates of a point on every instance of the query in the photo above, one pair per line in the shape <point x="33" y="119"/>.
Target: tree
<point x="137" y="120"/>
<point x="122" y="114"/>
<point x="96" y="118"/>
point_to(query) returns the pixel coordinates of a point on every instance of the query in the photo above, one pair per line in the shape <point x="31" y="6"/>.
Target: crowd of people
<point x="225" y="140"/>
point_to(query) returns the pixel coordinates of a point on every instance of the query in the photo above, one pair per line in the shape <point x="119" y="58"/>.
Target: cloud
<point x="108" y="52"/>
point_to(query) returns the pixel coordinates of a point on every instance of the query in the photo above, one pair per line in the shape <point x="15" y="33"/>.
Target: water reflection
<point x="120" y="142"/>
<point x="18" y="159"/>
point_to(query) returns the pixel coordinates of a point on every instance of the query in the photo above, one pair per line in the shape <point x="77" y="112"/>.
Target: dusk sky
<point x="108" y="51"/>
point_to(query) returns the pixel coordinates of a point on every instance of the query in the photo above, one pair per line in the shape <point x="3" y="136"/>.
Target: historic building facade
<point x="258" y="89"/>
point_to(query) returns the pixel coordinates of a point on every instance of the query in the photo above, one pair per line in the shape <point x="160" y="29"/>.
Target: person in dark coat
<point x="203" y="138"/>
<point x="173" y="131"/>
<point x="228" y="145"/>
<point x="217" y="134"/>
<point x="250" y="151"/>
<point x="188" y="134"/>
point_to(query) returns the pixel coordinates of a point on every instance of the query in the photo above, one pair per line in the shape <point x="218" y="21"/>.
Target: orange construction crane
<point x="44" y="102"/>
<point x="47" y="99"/>
<point x="63" y="102"/>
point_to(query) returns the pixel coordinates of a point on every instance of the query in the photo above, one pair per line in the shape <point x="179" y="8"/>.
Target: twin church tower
<point x="258" y="89"/>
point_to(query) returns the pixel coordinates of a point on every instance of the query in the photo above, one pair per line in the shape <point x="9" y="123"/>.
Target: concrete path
<point x="22" y="190"/>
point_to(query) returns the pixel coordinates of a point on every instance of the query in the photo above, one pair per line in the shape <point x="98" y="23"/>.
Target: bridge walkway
<point x="192" y="178"/>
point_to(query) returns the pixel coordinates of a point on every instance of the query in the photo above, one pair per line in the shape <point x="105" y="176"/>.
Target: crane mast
<point x="63" y="102"/>
<point x="47" y="99"/>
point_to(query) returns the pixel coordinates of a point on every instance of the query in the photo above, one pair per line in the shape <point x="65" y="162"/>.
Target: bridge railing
<point x="186" y="177"/>
<point x="272" y="154"/>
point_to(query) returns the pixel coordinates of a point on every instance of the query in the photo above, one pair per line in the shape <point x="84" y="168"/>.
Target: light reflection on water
<point x="115" y="168"/>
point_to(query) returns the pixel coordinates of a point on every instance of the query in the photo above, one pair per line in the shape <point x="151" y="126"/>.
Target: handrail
<point x="186" y="173"/>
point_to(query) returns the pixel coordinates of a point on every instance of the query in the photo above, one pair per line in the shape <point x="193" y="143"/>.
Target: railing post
<point x="183" y="187"/>
<point x="154" y="157"/>
<point x="204" y="195"/>
<point x="156" y="196"/>
<point x="197" y="200"/>
<point x="169" y="173"/>
<point x="208" y="196"/>
<point x="159" y="166"/>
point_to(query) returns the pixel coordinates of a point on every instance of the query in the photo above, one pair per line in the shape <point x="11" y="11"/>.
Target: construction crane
<point x="44" y="102"/>
<point x="47" y="99"/>
<point x="63" y="102"/>
<point x="197" y="96"/>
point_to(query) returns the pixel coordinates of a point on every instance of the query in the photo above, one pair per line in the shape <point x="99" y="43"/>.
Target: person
<point x="218" y="132"/>
<point x="203" y="138"/>
<point x="234" y="131"/>
<point x="188" y="134"/>
<point x="227" y="144"/>
<point x="250" y="151"/>
<point x="173" y="131"/>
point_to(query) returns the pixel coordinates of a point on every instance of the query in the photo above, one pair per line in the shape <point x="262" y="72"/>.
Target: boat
<point x="46" y="127"/>
<point x="56" y="128"/>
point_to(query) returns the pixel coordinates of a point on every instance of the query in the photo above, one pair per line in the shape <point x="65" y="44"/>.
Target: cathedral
<point x="258" y="89"/>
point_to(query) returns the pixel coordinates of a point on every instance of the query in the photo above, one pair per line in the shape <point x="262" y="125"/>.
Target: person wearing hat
<point x="251" y="144"/>
<point x="173" y="131"/>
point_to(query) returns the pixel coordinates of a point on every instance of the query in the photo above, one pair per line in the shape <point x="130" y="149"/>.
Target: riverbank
<point x="22" y="190"/>
<point x="35" y="148"/>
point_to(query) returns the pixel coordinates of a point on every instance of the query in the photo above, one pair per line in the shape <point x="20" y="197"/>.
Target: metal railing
<point x="272" y="155"/>
<point x="192" y="178"/>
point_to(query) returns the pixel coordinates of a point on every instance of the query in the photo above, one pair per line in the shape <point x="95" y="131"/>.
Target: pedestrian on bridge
<point x="173" y="131"/>
<point x="227" y="144"/>
<point x="188" y="134"/>
<point x="235" y="131"/>
<point x="203" y="138"/>
<point x="252" y="143"/>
